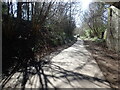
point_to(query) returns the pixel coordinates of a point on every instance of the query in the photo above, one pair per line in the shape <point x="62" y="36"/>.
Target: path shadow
<point x="44" y="73"/>
<point x="57" y="73"/>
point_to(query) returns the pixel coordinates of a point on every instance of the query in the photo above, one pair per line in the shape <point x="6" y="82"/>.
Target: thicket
<point x="33" y="27"/>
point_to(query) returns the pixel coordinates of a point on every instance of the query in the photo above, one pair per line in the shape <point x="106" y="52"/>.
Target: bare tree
<point x="96" y="19"/>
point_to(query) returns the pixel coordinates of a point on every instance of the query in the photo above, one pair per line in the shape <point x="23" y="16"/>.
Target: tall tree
<point x="19" y="10"/>
<point x="95" y="18"/>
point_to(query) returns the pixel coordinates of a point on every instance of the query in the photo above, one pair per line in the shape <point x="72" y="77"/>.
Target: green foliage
<point x="58" y="39"/>
<point x="95" y="39"/>
<point x="88" y="33"/>
<point x="4" y="8"/>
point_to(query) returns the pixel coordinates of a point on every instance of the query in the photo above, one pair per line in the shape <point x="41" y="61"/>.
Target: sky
<point x="84" y="6"/>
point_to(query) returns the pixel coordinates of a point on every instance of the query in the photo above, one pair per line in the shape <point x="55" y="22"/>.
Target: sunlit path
<point x="73" y="67"/>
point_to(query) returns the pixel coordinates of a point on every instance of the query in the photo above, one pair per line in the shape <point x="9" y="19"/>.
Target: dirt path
<point x="73" y="67"/>
<point x="108" y="61"/>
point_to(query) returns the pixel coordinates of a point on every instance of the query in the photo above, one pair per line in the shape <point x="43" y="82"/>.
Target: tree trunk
<point x="28" y="11"/>
<point x="8" y="8"/>
<point x="11" y="7"/>
<point x="19" y="10"/>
